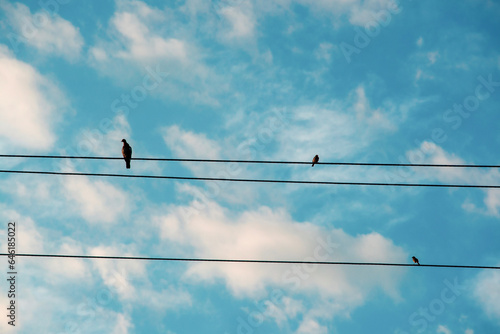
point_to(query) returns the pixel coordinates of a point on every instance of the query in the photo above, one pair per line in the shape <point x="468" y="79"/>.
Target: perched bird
<point x="415" y="260"/>
<point x="315" y="160"/>
<point x="127" y="152"/>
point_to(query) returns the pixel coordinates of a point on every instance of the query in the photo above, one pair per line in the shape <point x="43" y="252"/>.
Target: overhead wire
<point x="194" y="178"/>
<point x="175" y="259"/>
<point x="250" y="161"/>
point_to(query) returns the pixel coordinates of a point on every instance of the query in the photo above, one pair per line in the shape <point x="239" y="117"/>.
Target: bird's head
<point x="124" y="141"/>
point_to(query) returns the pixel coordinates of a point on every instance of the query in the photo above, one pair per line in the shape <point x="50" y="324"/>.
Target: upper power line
<point x="250" y="161"/>
<point x="174" y="259"/>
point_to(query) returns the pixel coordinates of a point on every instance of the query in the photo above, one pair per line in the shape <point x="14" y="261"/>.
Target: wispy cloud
<point x="45" y="31"/>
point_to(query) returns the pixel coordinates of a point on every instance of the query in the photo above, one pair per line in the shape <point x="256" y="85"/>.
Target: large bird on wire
<point x="415" y="260"/>
<point x="127" y="153"/>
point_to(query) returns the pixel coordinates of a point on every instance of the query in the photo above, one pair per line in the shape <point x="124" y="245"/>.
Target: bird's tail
<point x="127" y="163"/>
<point x="312" y="165"/>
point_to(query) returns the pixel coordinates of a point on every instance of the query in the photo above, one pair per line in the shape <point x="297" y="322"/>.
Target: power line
<point x="174" y="259"/>
<point x="193" y="178"/>
<point x="251" y="161"/>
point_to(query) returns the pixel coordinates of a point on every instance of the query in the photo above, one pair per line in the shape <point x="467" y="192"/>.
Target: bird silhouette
<point x="127" y="153"/>
<point x="315" y="160"/>
<point x="415" y="260"/>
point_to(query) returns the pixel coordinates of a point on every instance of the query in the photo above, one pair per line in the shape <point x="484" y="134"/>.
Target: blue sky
<point x="349" y="80"/>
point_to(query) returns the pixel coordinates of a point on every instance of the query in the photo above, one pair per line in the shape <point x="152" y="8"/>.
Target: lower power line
<point x="174" y="259"/>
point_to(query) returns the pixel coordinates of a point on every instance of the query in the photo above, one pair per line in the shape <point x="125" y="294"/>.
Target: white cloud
<point x="98" y="54"/>
<point x="433" y="56"/>
<point x="330" y="5"/>
<point x="443" y="330"/>
<point x="4" y="326"/>
<point x="297" y="141"/>
<point x="26" y="230"/>
<point x="196" y="7"/>
<point x="236" y="24"/>
<point x="51" y="298"/>
<point x="137" y="39"/>
<point x="119" y="275"/>
<point x="208" y="230"/>
<point x="469" y="331"/>
<point x="104" y="143"/>
<point x="31" y="239"/>
<point x="368" y="11"/>
<point x="187" y="144"/>
<point x="420" y="41"/>
<point x="286" y="135"/>
<point x="283" y="310"/>
<point x="430" y="153"/>
<point x="123" y="324"/>
<point x="30" y="106"/>
<point x="105" y="140"/>
<point x="492" y="202"/>
<point x="325" y="50"/>
<point x="73" y="269"/>
<point x="53" y="304"/>
<point x="97" y="201"/>
<point x="241" y="21"/>
<point x="129" y="280"/>
<point x="213" y="232"/>
<point x="358" y="12"/>
<point x="487" y="292"/>
<point x="311" y="326"/>
<point x="164" y="299"/>
<point x="141" y="43"/>
<point x="50" y="34"/>
<point x="418" y="74"/>
<point x="349" y="126"/>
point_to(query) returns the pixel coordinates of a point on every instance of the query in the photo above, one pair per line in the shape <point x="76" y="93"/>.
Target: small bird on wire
<point x="315" y="160"/>
<point x="127" y="153"/>
<point x="415" y="260"/>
